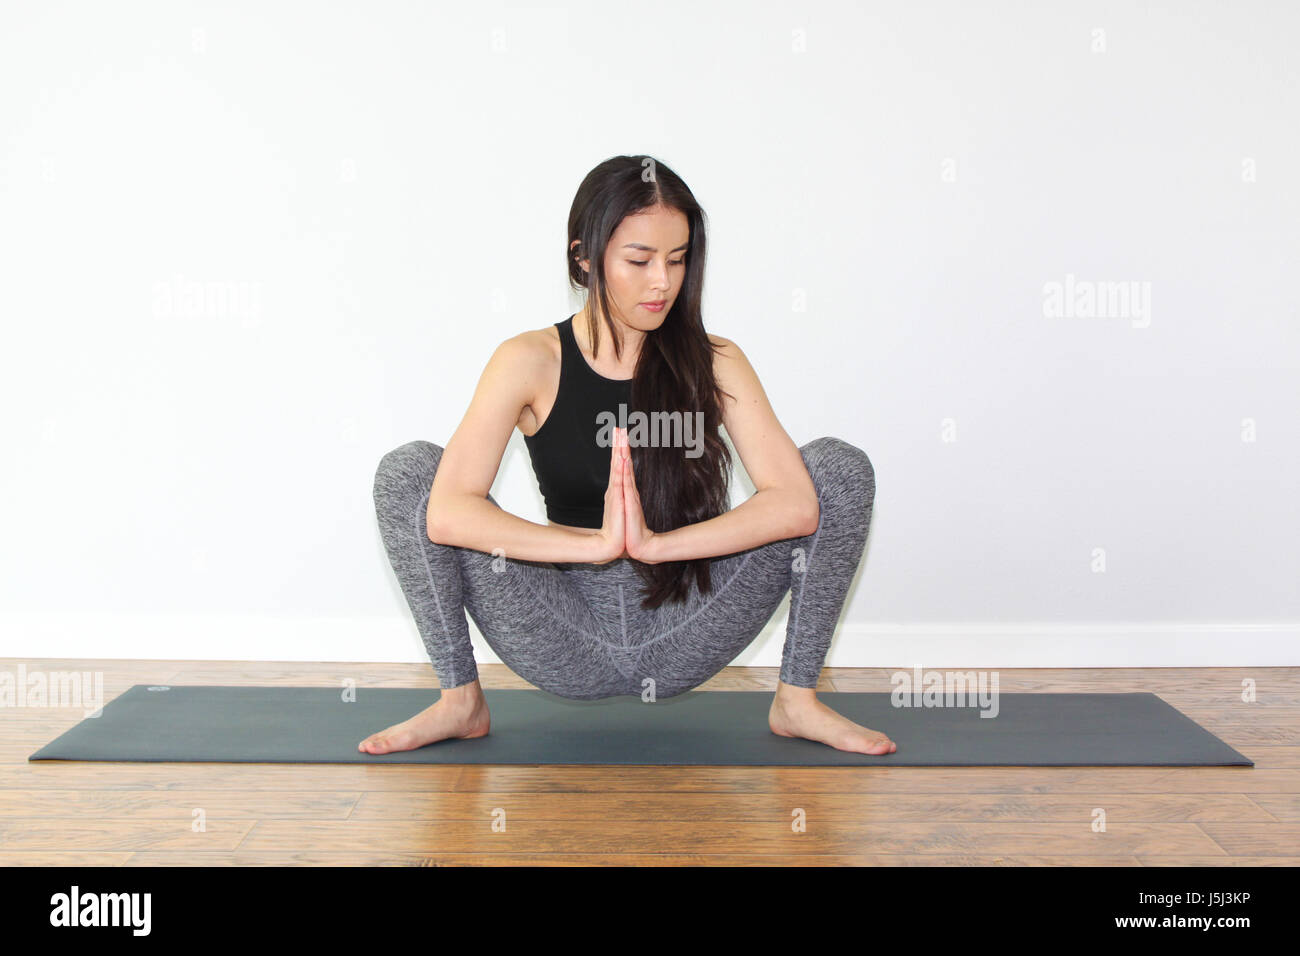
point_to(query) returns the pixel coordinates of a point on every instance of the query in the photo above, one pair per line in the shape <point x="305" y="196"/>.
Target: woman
<point x="557" y="602"/>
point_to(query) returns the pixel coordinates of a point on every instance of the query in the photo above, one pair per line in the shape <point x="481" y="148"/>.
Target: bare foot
<point x="451" y="715"/>
<point x="801" y="714"/>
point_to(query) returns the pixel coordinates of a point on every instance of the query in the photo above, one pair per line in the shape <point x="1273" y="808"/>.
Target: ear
<point x="584" y="264"/>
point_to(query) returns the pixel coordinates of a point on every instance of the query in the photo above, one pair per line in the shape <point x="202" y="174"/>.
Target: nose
<point x="659" y="285"/>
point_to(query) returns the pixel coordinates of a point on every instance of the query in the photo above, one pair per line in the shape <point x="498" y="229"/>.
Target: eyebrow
<point x="639" y="245"/>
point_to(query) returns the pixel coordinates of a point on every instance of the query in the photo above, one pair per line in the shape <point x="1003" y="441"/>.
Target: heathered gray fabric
<point x="578" y="630"/>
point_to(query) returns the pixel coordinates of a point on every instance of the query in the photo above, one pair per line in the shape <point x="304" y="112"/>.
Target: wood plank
<point x="318" y="858"/>
<point x="33" y="833"/>
<point x="1255" y="839"/>
<point x="824" y="807"/>
<point x="1274" y="757"/>
<point x="714" y="836"/>
<point x="65" y="858"/>
<point x="883" y="779"/>
<point x="226" y="804"/>
<point x="1280" y="806"/>
<point x="269" y="777"/>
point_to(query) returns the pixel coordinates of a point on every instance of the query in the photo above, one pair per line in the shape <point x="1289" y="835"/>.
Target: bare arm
<point x="785" y="503"/>
<point x="459" y="511"/>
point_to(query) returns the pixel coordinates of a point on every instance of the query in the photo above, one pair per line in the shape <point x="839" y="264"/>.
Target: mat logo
<point x="102" y="909"/>
<point x="159" y="688"/>
<point x="946" y="689"/>
<point x="53" y="689"/>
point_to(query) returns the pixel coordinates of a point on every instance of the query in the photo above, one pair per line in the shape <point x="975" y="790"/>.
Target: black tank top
<point x="572" y="469"/>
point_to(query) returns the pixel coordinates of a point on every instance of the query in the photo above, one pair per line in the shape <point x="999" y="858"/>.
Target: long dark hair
<point x="674" y="371"/>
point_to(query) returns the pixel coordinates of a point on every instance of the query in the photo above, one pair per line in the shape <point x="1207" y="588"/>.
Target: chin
<point x="644" y="321"/>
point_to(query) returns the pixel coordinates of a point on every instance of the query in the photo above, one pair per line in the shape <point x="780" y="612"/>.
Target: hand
<point x="610" y="543"/>
<point x="639" y="539"/>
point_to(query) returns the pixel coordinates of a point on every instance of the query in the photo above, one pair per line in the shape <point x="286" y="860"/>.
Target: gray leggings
<point x="579" y="631"/>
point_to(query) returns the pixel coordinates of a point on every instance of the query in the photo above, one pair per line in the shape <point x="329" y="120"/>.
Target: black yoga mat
<point x="716" y="728"/>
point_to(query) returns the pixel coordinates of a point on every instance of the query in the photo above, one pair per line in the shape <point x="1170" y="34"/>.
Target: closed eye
<point x="641" y="262"/>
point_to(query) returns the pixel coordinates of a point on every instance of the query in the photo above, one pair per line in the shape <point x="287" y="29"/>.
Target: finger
<point x="614" y="459"/>
<point x="614" y="488"/>
<point x="620" y="463"/>
<point x="617" y="524"/>
<point x="630" y="475"/>
<point x="615" y="491"/>
<point x="616" y="479"/>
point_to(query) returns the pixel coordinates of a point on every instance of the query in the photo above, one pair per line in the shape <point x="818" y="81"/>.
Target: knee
<point x="411" y="464"/>
<point x="831" y="459"/>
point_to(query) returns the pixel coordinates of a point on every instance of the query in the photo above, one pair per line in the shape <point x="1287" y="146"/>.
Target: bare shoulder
<point x="547" y="338"/>
<point x="527" y="365"/>
<point x="731" y="368"/>
<point x="529" y="353"/>
<point x="725" y="354"/>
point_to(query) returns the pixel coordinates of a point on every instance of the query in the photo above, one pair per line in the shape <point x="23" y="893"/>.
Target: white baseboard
<point x="866" y="644"/>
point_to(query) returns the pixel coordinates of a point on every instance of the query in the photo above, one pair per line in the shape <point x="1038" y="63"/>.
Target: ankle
<point x="465" y="697"/>
<point x="787" y="695"/>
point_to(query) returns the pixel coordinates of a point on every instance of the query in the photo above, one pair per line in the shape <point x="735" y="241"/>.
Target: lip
<point x="653" y="306"/>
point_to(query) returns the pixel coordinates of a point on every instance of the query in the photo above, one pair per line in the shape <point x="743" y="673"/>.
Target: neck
<point x="631" y="338"/>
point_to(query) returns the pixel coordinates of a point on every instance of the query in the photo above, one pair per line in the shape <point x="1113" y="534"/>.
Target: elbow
<point x="810" y="517"/>
<point x="449" y="519"/>
<point x="433" y="532"/>
<point x="435" y="524"/>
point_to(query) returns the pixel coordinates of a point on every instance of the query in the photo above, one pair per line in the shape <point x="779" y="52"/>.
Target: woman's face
<point x="645" y="262"/>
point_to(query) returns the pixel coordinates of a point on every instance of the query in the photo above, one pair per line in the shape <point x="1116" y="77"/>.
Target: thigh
<point x="690" y="642"/>
<point x="538" y="623"/>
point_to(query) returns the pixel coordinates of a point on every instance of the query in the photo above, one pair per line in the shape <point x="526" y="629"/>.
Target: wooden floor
<point x="139" y="814"/>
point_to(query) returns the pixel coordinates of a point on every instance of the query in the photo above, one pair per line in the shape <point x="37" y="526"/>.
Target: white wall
<point x="382" y="189"/>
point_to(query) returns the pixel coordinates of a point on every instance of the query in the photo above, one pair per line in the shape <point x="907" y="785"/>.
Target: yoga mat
<point x="717" y="728"/>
